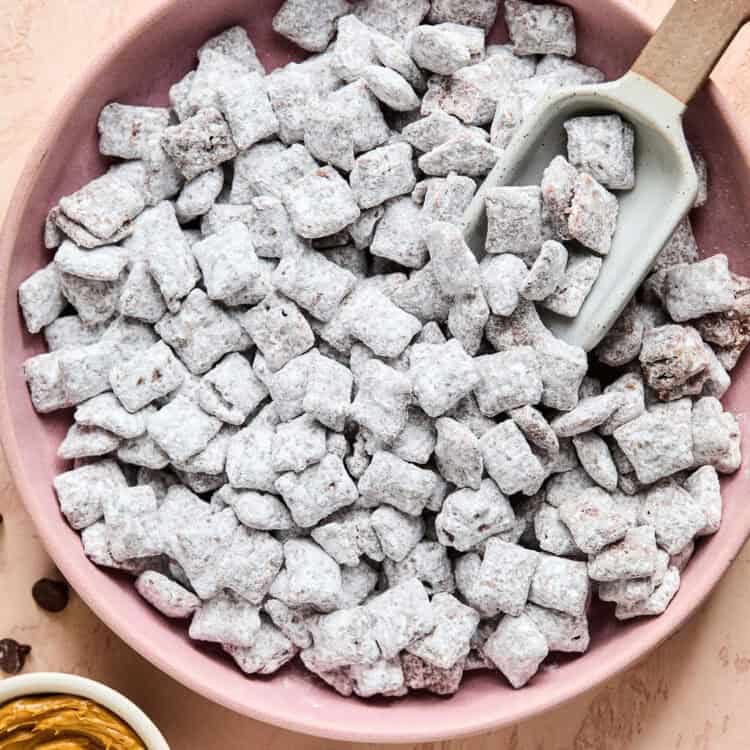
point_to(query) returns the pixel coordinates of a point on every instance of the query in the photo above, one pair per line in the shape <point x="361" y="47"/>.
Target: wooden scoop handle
<point x="689" y="43"/>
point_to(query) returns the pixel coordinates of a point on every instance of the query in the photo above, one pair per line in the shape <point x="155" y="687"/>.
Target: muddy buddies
<point x="311" y="423"/>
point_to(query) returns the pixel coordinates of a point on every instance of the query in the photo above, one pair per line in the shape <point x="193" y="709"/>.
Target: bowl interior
<point x="140" y="71"/>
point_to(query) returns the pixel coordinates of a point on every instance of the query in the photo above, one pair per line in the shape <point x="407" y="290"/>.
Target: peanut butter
<point x="63" y="722"/>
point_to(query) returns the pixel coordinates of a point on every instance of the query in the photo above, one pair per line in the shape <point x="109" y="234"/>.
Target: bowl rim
<point x="465" y="724"/>
<point x="36" y="683"/>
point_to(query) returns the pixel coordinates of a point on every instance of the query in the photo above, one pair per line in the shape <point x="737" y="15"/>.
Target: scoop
<point x="652" y="97"/>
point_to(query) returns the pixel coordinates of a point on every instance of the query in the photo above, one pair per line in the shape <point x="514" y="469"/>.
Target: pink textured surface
<point x="610" y="38"/>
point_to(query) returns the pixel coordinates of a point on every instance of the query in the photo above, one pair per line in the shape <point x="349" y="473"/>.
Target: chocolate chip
<point x="12" y="655"/>
<point x="50" y="595"/>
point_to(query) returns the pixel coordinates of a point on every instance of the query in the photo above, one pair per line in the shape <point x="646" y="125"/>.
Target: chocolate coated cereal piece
<point x="567" y="485"/>
<point x="328" y="393"/>
<point x="94" y="301"/>
<point x="320" y="203"/>
<point x="563" y="368"/>
<point x="588" y="414"/>
<point x="671" y="356"/>
<point x="381" y="401"/>
<point x="397" y="532"/>
<point x="140" y="297"/>
<point x="396" y="57"/>
<point x="233" y="42"/>
<point x="401" y="615"/>
<point x="390" y="87"/>
<point x="536" y="429"/>
<point x="310" y="577"/>
<point x="562" y="632"/>
<point x="268" y="169"/>
<point x="479" y="13"/>
<point x="675" y="515"/>
<point x="231" y="391"/>
<point x="162" y="178"/>
<point x="249" y="462"/>
<point x="630" y="386"/>
<point x="378" y="323"/>
<point x="467" y="318"/>
<point x="697" y="289"/>
<point x="468" y="517"/>
<point x="595" y="458"/>
<point x="153" y="374"/>
<point x="634" y="557"/>
<point x="438" y="50"/>
<point x="419" y="675"/>
<point x="656" y="603"/>
<point x="106" y="412"/>
<point x="103" y="207"/>
<point x="227" y="620"/>
<point x="84" y="370"/>
<point x="215" y="67"/>
<point x="298" y="444"/>
<point x="200" y="143"/>
<point x="318" y="491"/>
<point x="309" y="27"/>
<point x="517" y="648"/>
<point x="547" y="273"/>
<point x="423" y="297"/>
<point x="552" y="534"/>
<point x="398" y="235"/>
<point x="659" y="442"/>
<point x="198" y="196"/>
<point x="453" y="263"/>
<point x="467" y="154"/>
<point x="353" y="50"/>
<point x="623" y="342"/>
<point x="558" y="185"/>
<point x="457" y="454"/>
<point x="243" y="100"/>
<point x="594" y="520"/>
<point x="603" y="147"/>
<point x="348" y="535"/>
<point x="571" y="292"/>
<point x="502" y="278"/>
<point x="509" y="460"/>
<point x="593" y="214"/>
<point x="169" y="597"/>
<point x="124" y="130"/>
<point x="182" y="429"/>
<point x="343" y="638"/>
<point x="314" y="283"/>
<point x="540" y="29"/>
<point x="82" y="492"/>
<point x="142" y="451"/>
<point x="382" y="173"/>
<point x="279" y="330"/>
<point x="81" y="441"/>
<point x="160" y="240"/>
<point x="270" y="651"/>
<point x="441" y="375"/>
<point x="434" y="130"/>
<point x="41" y="298"/>
<point x="391" y="480"/>
<point x="395" y="18"/>
<point x="560" y="584"/>
<point x="514" y="221"/>
<point x="449" y="642"/>
<point x="508" y="380"/>
<point x="289" y="621"/>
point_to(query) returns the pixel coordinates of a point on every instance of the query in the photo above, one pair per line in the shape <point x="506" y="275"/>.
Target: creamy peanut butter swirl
<point x="63" y="722"/>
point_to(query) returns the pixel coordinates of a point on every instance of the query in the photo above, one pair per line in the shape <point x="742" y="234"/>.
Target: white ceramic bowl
<point x="38" y="683"/>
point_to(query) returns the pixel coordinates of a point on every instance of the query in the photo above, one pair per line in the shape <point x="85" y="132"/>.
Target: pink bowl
<point x="139" y="69"/>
